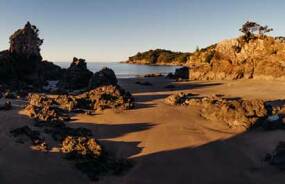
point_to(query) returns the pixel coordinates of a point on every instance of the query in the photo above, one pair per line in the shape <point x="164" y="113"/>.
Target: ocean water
<point x="124" y="70"/>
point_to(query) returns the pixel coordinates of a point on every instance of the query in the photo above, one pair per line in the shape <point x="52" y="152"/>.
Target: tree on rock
<point x="26" y="41"/>
<point x="250" y="29"/>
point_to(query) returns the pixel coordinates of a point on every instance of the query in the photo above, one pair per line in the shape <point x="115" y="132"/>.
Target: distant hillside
<point x="159" y="57"/>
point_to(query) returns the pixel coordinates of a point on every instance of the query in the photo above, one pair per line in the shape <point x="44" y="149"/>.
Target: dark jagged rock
<point x="21" y="66"/>
<point x="49" y="71"/>
<point x="77" y="76"/>
<point x="104" y="77"/>
<point x="170" y="76"/>
<point x="26" y="41"/>
<point x="180" y="73"/>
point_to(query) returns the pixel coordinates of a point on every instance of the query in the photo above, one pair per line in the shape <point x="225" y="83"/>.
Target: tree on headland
<point x="26" y="41"/>
<point x="251" y="29"/>
<point x="197" y="48"/>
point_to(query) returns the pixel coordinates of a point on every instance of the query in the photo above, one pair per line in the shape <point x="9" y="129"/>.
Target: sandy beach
<point x="168" y="144"/>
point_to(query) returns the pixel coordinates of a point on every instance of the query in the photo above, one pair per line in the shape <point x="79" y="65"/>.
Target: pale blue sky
<point x="112" y="30"/>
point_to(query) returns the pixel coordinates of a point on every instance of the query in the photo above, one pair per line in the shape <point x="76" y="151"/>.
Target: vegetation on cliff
<point x="252" y="55"/>
<point x="159" y="57"/>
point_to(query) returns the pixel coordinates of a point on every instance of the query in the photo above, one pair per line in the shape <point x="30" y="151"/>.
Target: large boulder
<point x="77" y="76"/>
<point x="106" y="76"/>
<point x="182" y="73"/>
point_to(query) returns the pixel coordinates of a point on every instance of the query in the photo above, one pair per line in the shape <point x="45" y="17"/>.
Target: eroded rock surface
<point x="259" y="58"/>
<point x="107" y="97"/>
<point x="81" y="147"/>
<point x="233" y="112"/>
<point x="77" y="144"/>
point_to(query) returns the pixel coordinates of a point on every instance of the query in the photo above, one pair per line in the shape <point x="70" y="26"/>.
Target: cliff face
<point x="159" y="57"/>
<point x="262" y="57"/>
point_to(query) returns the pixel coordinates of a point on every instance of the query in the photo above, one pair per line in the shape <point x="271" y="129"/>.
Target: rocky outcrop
<point x="77" y="147"/>
<point x="42" y="108"/>
<point x="233" y="112"/>
<point x="77" y="76"/>
<point x="21" y="65"/>
<point x="106" y="97"/>
<point x="180" y="73"/>
<point x="159" y="57"/>
<point x="53" y="109"/>
<point x="106" y="76"/>
<point x="26" y="42"/>
<point x="261" y="57"/>
<point x="51" y="113"/>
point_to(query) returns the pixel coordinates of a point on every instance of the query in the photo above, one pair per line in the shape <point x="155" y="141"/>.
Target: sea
<point x="124" y="70"/>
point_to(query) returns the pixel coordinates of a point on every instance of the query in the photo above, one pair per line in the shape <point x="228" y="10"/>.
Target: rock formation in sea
<point x="159" y="57"/>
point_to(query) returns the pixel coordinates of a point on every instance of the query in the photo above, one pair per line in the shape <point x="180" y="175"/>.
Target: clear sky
<point x="112" y="30"/>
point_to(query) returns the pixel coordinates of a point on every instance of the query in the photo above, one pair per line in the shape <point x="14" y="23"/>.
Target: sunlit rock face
<point x="26" y="42"/>
<point x="261" y="57"/>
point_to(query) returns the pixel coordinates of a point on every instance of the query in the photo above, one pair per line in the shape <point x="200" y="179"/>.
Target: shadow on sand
<point x="148" y="93"/>
<point x="238" y="159"/>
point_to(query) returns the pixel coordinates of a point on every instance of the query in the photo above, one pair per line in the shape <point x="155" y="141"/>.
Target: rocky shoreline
<point x="52" y="95"/>
<point x="51" y="98"/>
<point x="250" y="56"/>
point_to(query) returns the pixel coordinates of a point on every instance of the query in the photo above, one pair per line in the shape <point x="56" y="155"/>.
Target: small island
<point x="159" y="57"/>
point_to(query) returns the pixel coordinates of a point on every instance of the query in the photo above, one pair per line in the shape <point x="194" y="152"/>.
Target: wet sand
<point x="168" y="144"/>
